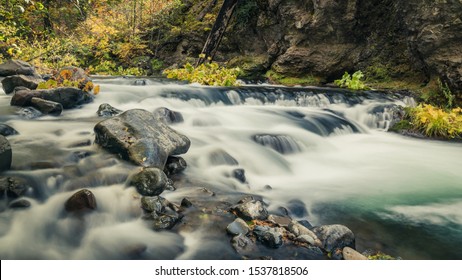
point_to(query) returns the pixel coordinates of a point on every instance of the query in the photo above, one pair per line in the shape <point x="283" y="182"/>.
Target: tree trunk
<point x="218" y="30"/>
<point x="206" y="10"/>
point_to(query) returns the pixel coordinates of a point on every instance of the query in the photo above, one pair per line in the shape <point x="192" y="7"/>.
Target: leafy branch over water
<point x="210" y="74"/>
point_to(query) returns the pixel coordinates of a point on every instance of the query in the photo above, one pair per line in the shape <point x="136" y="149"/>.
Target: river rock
<point x="351" y="254"/>
<point x="174" y="165"/>
<point x="140" y="82"/>
<point x="13" y="187"/>
<point x="168" y="115"/>
<point x="186" y="203"/>
<point x="11" y="82"/>
<point x="21" y="203"/>
<point x="251" y="210"/>
<point x="7" y="130"/>
<point x="221" y="157"/>
<point x="137" y="135"/>
<point x="162" y="221"/>
<point x="283" y="144"/>
<point x="106" y="110"/>
<point x="47" y="107"/>
<point x="335" y="237"/>
<point x="149" y="181"/>
<point x="304" y="234"/>
<point x="29" y="113"/>
<point x="81" y="200"/>
<point x="155" y="204"/>
<point x="238" y="226"/>
<point x="271" y="237"/>
<point x="17" y="67"/>
<point x="244" y="245"/>
<point x="281" y="221"/>
<point x="6" y="154"/>
<point x="239" y="174"/>
<point x="68" y="97"/>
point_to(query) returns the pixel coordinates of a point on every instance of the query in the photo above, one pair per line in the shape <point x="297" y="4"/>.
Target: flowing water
<point x="325" y="149"/>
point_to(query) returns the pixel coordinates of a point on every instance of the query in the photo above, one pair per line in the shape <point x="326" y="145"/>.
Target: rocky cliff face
<point x="418" y="39"/>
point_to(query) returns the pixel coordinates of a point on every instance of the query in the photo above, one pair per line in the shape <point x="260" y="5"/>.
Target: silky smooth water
<point x="325" y="148"/>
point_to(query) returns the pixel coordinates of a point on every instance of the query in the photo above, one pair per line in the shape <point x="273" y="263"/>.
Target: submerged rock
<point x="281" y="143"/>
<point x="238" y="226"/>
<point x="137" y="135"/>
<point x="251" y="210"/>
<point x="244" y="245"/>
<point x="7" y="130"/>
<point x="271" y="237"/>
<point x="174" y="165"/>
<point x="47" y="107"/>
<point x="106" y="110"/>
<point x="168" y="115"/>
<point x="239" y="174"/>
<point x="13" y="187"/>
<point x="221" y="157"/>
<point x="186" y="203"/>
<point x="21" y="203"/>
<point x="163" y="221"/>
<point x="6" y="154"/>
<point x="11" y="82"/>
<point x="335" y="237"/>
<point x="149" y="181"/>
<point x="81" y="200"/>
<point x="29" y="113"/>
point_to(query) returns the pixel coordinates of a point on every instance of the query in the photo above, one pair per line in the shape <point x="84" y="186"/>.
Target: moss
<point x="382" y="257"/>
<point x="401" y="125"/>
<point x="305" y="80"/>
<point x="253" y="67"/>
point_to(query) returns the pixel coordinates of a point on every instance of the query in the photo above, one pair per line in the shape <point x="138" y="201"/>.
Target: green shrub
<point x="352" y="82"/>
<point x="210" y="74"/>
<point x="436" y="122"/>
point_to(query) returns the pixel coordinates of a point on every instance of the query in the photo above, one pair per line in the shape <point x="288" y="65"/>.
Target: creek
<point x="324" y="152"/>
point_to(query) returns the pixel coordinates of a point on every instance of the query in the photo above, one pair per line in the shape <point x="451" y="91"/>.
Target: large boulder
<point x="5" y="154"/>
<point x="138" y="136"/>
<point x="68" y="97"/>
<point x="11" y="82"/>
<point x="17" y="67"/>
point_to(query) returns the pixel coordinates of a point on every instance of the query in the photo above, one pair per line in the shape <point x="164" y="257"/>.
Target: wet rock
<point x="297" y="208"/>
<point x="168" y="116"/>
<point x="334" y="237"/>
<point x="281" y="143"/>
<point x="17" y="67"/>
<point x="68" y="97"/>
<point x="186" y="203"/>
<point x="350" y="254"/>
<point x="11" y="82"/>
<point x="138" y="136"/>
<point x="134" y="251"/>
<point x="305" y="234"/>
<point x="149" y="181"/>
<point x="162" y="221"/>
<point x="174" y="165"/>
<point x="271" y="237"/>
<point x="155" y="204"/>
<point x="251" y="210"/>
<point x="47" y="107"/>
<point x="238" y="226"/>
<point x="268" y="188"/>
<point x="221" y="157"/>
<point x="6" y="154"/>
<point x="13" y="187"/>
<point x="29" y="113"/>
<point x="81" y="200"/>
<point x="306" y="224"/>
<point x="83" y="143"/>
<point x="140" y="82"/>
<point x="106" y="110"/>
<point x="21" y="203"/>
<point x="281" y="221"/>
<point x="7" y="130"/>
<point x="239" y="174"/>
<point x="244" y="245"/>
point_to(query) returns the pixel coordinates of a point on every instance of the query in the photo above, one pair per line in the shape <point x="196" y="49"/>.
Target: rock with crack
<point x="138" y="136"/>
